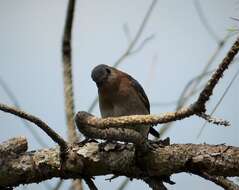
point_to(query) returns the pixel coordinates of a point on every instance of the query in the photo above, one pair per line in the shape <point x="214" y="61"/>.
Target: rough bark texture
<point x="94" y="159"/>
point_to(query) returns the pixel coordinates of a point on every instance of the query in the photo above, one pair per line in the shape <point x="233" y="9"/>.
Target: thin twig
<point x="50" y="132"/>
<point x="219" y="102"/>
<point x="68" y="83"/>
<point x="15" y="102"/>
<point x="181" y="101"/>
<point x="221" y="181"/>
<point x="127" y="32"/>
<point x="214" y="120"/>
<point x="67" y="65"/>
<point x="205" y="69"/>
<point x="123" y="184"/>
<point x="138" y="34"/>
<point x="204" y="21"/>
<point x="217" y="75"/>
<point x="142" y="45"/>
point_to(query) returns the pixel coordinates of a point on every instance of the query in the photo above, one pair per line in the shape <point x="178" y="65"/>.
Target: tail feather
<point x="153" y="132"/>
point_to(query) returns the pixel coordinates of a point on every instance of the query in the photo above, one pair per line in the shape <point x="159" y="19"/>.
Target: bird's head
<point x="102" y="74"/>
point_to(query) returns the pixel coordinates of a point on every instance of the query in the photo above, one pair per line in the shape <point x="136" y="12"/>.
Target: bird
<point x="121" y="95"/>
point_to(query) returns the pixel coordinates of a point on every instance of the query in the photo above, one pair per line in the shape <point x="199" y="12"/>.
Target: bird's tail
<point x="153" y="132"/>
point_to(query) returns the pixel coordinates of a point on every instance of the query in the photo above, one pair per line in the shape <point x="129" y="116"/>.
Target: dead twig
<point x="15" y="102"/>
<point x="68" y="83"/>
<point x="219" y="102"/>
<point x="41" y="124"/>
<point x="67" y="66"/>
<point x="221" y="181"/>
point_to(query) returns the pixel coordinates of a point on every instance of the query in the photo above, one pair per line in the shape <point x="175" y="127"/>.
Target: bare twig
<point x="123" y="184"/>
<point x="67" y="65"/>
<point x="131" y="46"/>
<point x="214" y="120"/>
<point x="143" y="43"/>
<point x="181" y="100"/>
<point x="138" y="34"/>
<point x="221" y="181"/>
<point x="191" y="87"/>
<point x="50" y="132"/>
<point x="15" y="102"/>
<point x="208" y="90"/>
<point x="68" y="84"/>
<point x="204" y="21"/>
<point x="204" y="71"/>
<point x="127" y="32"/>
<point x="15" y="145"/>
<point x="218" y="103"/>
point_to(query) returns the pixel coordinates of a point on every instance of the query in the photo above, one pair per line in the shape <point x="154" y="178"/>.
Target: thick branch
<point x="14" y="145"/>
<point x="50" y="132"/>
<point x="93" y="159"/>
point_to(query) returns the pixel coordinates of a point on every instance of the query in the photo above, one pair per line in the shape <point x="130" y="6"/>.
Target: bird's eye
<point x="108" y="71"/>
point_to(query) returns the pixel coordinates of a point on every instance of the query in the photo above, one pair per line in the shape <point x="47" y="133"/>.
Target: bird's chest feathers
<point x="114" y="102"/>
<point x="120" y="103"/>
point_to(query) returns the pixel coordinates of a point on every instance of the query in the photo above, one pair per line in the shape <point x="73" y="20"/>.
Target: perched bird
<point x="121" y="95"/>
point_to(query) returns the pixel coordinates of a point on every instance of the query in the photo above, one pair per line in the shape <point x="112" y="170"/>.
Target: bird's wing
<point x="139" y="89"/>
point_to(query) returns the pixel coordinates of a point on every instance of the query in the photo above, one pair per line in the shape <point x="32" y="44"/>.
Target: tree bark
<point x="94" y="159"/>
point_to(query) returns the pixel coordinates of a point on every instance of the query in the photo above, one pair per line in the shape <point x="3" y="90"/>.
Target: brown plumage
<point x="121" y="95"/>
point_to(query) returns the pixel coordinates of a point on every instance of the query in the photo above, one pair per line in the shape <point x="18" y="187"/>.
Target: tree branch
<point x="41" y="124"/>
<point x="182" y="101"/>
<point x="67" y="66"/>
<point x="221" y="181"/>
<point x="15" y="145"/>
<point x="93" y="159"/>
<point x="16" y="103"/>
<point x="217" y="75"/>
<point x="218" y="103"/>
<point x="68" y="83"/>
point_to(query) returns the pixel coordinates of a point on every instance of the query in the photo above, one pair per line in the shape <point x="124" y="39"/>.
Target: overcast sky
<point x="31" y="65"/>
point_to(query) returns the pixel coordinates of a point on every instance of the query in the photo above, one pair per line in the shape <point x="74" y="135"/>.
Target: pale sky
<point x="30" y="59"/>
